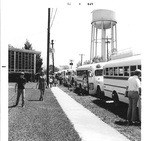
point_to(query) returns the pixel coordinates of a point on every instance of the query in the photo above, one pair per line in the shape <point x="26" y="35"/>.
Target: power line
<point x="51" y="14"/>
<point x="54" y="17"/>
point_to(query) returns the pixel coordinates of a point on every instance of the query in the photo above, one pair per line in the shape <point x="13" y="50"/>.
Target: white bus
<point x="116" y="74"/>
<point x="67" y="75"/>
<point x="94" y="73"/>
<point x="70" y="76"/>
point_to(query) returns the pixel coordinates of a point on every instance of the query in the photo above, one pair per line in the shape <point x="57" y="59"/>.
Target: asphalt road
<point x="38" y="120"/>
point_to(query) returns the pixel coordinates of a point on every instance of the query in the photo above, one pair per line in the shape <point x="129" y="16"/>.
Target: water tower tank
<point x="103" y="22"/>
<point x="104" y="17"/>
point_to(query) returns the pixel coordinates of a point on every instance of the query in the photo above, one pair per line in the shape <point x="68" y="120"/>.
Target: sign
<point x="71" y="64"/>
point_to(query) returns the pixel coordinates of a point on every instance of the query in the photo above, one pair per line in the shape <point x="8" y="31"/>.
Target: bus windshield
<point x="99" y="72"/>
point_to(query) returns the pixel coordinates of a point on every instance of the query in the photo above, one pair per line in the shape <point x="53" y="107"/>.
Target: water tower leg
<point x="104" y="46"/>
<point x="96" y="43"/>
<point x="115" y="37"/>
<point x="112" y="38"/>
<point x="102" y="40"/>
<point x="103" y="37"/>
<point x="91" y="47"/>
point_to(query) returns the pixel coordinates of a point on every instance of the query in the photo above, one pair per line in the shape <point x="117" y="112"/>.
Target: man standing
<point x="42" y="84"/>
<point x="20" y="88"/>
<point x="134" y="90"/>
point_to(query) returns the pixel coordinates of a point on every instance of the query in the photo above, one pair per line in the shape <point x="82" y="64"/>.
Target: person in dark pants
<point x="20" y="88"/>
<point x="51" y="80"/>
<point x="41" y="84"/>
<point x="134" y="91"/>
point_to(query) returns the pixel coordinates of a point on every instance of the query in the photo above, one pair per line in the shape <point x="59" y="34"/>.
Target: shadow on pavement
<point x="121" y="110"/>
<point x="125" y="123"/>
<point x="34" y="100"/>
<point x="121" y="122"/>
<point x="12" y="106"/>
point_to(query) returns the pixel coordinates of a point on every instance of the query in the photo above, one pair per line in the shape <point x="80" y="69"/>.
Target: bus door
<point x="99" y="77"/>
<point x="90" y="81"/>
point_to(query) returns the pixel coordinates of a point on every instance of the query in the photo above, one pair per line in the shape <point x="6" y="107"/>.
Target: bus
<point x="67" y="75"/>
<point x="70" y="76"/>
<point x="94" y="74"/>
<point x="116" y="74"/>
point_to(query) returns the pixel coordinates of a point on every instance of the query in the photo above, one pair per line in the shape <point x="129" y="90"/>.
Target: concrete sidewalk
<point x="88" y="125"/>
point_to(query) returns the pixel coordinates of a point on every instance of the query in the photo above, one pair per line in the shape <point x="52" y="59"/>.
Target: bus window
<point x="106" y="71"/>
<point x="132" y="70"/>
<point x="110" y="71"/>
<point x="99" y="72"/>
<point x="126" y="71"/>
<point x="79" y="73"/>
<point x="139" y="67"/>
<point x="115" y="71"/>
<point x="120" y="71"/>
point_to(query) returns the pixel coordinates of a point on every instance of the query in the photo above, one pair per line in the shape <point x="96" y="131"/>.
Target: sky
<point x="71" y="28"/>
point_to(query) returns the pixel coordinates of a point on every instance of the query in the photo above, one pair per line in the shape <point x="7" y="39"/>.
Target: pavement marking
<point x="88" y="125"/>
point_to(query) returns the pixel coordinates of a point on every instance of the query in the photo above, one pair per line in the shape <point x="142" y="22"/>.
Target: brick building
<point x="21" y="60"/>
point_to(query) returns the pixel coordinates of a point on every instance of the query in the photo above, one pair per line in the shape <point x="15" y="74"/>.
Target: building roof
<point x="24" y="50"/>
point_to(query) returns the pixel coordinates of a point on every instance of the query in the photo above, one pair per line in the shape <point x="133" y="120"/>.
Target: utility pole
<point x="48" y="43"/>
<point x="107" y="42"/>
<point x="81" y="58"/>
<point x="52" y="54"/>
<point x="71" y="63"/>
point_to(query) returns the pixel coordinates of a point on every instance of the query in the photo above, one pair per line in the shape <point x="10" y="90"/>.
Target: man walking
<point x="20" y="88"/>
<point x="134" y="90"/>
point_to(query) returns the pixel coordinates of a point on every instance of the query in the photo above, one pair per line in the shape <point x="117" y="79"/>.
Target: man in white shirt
<point x="134" y="90"/>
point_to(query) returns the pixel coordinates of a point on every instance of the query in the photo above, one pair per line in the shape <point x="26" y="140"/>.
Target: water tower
<point x="103" y="32"/>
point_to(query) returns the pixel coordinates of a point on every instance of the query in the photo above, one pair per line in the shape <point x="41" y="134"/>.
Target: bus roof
<point x="133" y="60"/>
<point x="92" y="66"/>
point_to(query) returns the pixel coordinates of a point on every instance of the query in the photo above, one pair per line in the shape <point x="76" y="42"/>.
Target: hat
<point x="22" y="73"/>
<point x="137" y="71"/>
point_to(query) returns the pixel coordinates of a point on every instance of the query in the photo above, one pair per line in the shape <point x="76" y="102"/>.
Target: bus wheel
<point x="115" y="98"/>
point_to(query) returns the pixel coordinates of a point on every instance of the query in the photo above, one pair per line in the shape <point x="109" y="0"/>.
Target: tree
<point x="97" y="59"/>
<point x="51" y="69"/>
<point x="39" y="63"/>
<point x="64" y="67"/>
<point x="27" y="45"/>
<point x="78" y="64"/>
<point x="87" y="62"/>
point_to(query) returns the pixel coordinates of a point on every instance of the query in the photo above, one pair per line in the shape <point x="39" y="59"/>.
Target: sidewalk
<point x="88" y="126"/>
